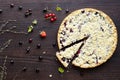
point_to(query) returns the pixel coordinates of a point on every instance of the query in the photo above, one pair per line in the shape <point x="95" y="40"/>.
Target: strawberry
<point x="43" y="34"/>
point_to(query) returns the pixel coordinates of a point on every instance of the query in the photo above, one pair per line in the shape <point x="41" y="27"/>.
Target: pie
<point x="92" y="27"/>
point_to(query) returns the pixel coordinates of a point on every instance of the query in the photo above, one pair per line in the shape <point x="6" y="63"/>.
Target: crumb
<point x="44" y="52"/>
<point x="68" y="71"/>
<point x="50" y="75"/>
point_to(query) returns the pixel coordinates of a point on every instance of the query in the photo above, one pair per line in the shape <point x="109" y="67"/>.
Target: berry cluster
<point x="51" y="16"/>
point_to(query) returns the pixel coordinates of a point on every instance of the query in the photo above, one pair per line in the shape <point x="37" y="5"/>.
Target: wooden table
<point x="49" y="65"/>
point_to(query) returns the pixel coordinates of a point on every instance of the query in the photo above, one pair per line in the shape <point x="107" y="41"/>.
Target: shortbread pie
<point x="99" y="45"/>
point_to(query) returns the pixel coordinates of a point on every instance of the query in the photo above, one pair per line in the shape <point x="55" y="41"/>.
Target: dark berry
<point x="20" y="43"/>
<point x="82" y="11"/>
<point x="37" y="70"/>
<point x="1" y="11"/>
<point x="20" y="7"/>
<point x="12" y="61"/>
<point x="30" y="13"/>
<point x="44" y="10"/>
<point x="12" y="5"/>
<point x="54" y="44"/>
<point x="24" y="69"/>
<point x="68" y="60"/>
<point x="30" y="40"/>
<point x="28" y="50"/>
<point x="26" y="11"/>
<point x="96" y="13"/>
<point x="26" y="14"/>
<point x="30" y="10"/>
<point x="67" y="11"/>
<point x="63" y="59"/>
<point x="38" y="46"/>
<point x="71" y="30"/>
<point x="40" y="58"/>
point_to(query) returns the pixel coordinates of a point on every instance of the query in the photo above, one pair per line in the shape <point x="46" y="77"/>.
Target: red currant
<point x="55" y="18"/>
<point x="46" y="15"/>
<point x="52" y="19"/>
<point x="52" y="14"/>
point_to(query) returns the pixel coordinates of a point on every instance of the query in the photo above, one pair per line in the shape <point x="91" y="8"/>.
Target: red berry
<point x="52" y="19"/>
<point x="43" y="34"/>
<point x="55" y="18"/>
<point x="46" y="15"/>
<point x="30" y="40"/>
<point x="52" y="14"/>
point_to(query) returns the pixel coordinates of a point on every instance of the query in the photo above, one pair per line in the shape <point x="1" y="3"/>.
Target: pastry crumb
<point x="50" y="75"/>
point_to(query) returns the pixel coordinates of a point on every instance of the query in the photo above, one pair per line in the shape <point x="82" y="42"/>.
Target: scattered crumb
<point x="50" y="75"/>
<point x="68" y="71"/>
<point x="44" y="52"/>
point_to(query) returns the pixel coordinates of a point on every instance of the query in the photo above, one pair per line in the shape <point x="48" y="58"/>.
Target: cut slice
<point x="65" y="56"/>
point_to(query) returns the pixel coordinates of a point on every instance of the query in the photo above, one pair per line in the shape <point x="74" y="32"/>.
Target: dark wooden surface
<point x="108" y="71"/>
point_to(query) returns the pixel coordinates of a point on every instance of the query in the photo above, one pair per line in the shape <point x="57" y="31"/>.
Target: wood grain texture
<point x="108" y="71"/>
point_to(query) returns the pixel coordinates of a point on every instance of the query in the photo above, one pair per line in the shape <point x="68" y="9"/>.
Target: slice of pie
<point x="65" y="56"/>
<point x="100" y="45"/>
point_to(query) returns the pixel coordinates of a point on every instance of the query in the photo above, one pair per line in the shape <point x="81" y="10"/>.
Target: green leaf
<point x="30" y="29"/>
<point x="34" y="22"/>
<point x="61" y="70"/>
<point x="58" y="8"/>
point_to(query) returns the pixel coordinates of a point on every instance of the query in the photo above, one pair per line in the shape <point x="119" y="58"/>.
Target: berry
<point x="30" y="13"/>
<point x="67" y="11"/>
<point x="44" y="10"/>
<point x="12" y="5"/>
<point x="46" y="15"/>
<point x="26" y="14"/>
<point x="20" y="7"/>
<point x="20" y="43"/>
<point x="55" y="18"/>
<point x="83" y="11"/>
<point x="43" y="34"/>
<point x="30" y="10"/>
<point x="38" y="45"/>
<point x="28" y="50"/>
<point x="52" y="19"/>
<point x="1" y="11"/>
<point x="37" y="70"/>
<point x="30" y="40"/>
<point x="40" y="58"/>
<point x="12" y="61"/>
<point x="24" y="69"/>
<point x="54" y="44"/>
<point x="52" y="14"/>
